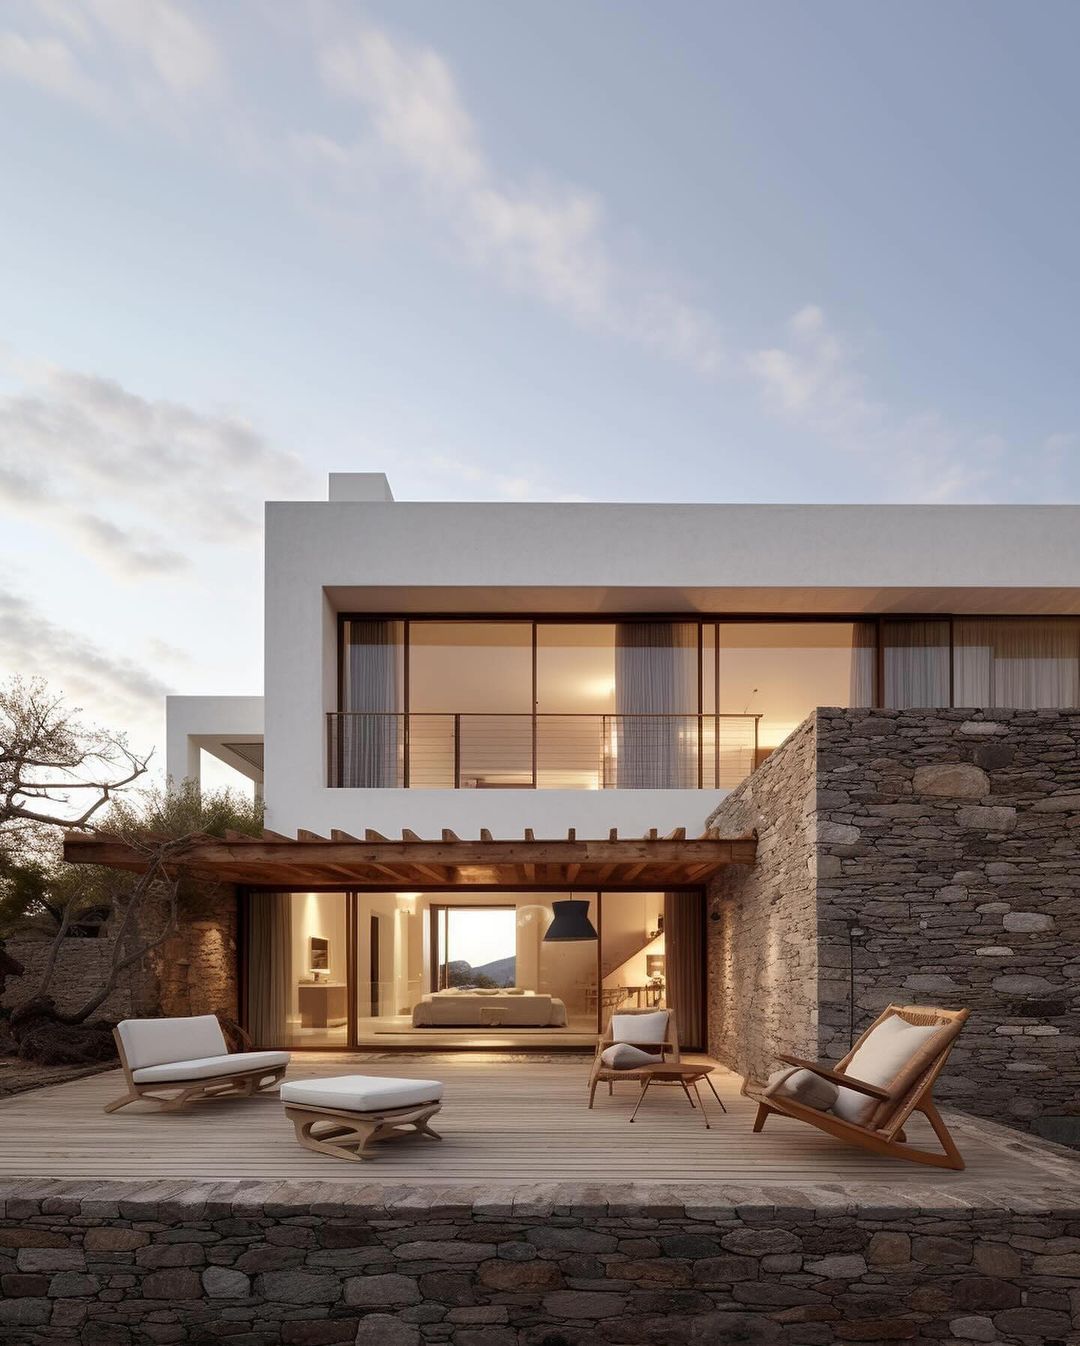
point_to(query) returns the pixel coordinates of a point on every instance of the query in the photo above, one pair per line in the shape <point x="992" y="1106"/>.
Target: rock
<point x="758" y="1242"/>
<point x="958" y="780"/>
<point x="382" y="1329"/>
<point x="537" y="1275"/>
<point x="845" y="1267"/>
<point x="1022" y="985"/>
<point x="572" y="1240"/>
<point x="381" y="1290"/>
<point x="973" y="1329"/>
<point x="987" y="817"/>
<point x="938" y="1250"/>
<point x="51" y="1259"/>
<point x="926" y="982"/>
<point x="73" y="1285"/>
<point x="225" y="1283"/>
<point x="997" y="1259"/>
<point x="583" y="1304"/>
<point x="1033" y="1323"/>
<point x="837" y="834"/>
<point x="889" y="1249"/>
<point x="1058" y="1264"/>
<point x="979" y="728"/>
<point x="1067" y="803"/>
<point x="299" y="1287"/>
<point x="174" y="1283"/>
<point x="690" y="1246"/>
<point x="108" y="1240"/>
<point x="1027" y="921"/>
<point x="446" y="1250"/>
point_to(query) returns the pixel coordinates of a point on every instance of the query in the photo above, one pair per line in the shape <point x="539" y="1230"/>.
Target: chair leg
<point x="121" y="1102"/>
<point x="953" y="1156"/>
<point x="715" y="1095"/>
<point x="762" y="1112"/>
<point x="592" y="1091"/>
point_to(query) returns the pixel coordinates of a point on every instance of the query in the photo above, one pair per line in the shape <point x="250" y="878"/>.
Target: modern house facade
<point x="480" y="674"/>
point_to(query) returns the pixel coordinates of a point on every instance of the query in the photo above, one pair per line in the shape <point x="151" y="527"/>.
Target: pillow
<point x="622" y="1056"/>
<point x="640" y="1027"/>
<point x="879" y="1060"/>
<point x="803" y="1086"/>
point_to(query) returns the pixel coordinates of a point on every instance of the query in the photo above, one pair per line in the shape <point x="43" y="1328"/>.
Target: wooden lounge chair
<point x="173" y="1062"/>
<point x="869" y="1095"/>
<point x="649" y="1034"/>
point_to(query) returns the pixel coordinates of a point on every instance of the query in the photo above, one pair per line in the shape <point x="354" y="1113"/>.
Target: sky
<point x="612" y="250"/>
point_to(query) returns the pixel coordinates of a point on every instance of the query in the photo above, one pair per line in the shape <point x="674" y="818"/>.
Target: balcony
<point x="376" y="750"/>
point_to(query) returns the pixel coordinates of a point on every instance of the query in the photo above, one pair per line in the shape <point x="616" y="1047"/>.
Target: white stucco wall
<point x="196" y="722"/>
<point x="408" y="557"/>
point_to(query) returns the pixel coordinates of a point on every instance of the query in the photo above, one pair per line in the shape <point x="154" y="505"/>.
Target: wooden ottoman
<point x="347" y="1114"/>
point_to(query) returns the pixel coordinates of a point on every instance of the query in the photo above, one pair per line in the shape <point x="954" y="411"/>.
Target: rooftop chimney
<point x="360" y="487"/>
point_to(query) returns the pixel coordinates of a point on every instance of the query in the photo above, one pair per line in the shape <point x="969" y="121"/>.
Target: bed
<point x="508" y="1008"/>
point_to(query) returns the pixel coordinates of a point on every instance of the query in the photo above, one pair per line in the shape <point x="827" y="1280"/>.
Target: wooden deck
<point x="504" y="1121"/>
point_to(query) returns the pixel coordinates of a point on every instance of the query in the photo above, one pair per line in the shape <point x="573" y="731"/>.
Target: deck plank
<point x="504" y="1121"/>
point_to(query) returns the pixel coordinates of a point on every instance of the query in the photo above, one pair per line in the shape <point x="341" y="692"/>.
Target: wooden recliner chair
<point x="868" y="1096"/>
<point x="652" y="1040"/>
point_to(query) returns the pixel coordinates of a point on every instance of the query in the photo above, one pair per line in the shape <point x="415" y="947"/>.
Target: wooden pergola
<point x="309" y="861"/>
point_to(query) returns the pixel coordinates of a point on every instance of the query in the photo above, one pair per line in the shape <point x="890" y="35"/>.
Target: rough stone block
<point x="382" y="1291"/>
<point x="955" y="780"/>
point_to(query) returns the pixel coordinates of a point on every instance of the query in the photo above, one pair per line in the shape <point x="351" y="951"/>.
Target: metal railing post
<point x="457" y="752"/>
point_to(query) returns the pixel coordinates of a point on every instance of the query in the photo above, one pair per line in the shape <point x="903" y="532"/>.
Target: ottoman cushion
<point x="361" y="1093"/>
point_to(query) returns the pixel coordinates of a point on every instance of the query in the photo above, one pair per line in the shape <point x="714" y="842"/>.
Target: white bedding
<point x="489" y="1009"/>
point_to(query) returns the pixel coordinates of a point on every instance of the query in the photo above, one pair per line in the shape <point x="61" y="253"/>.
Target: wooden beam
<point x="485" y="835"/>
<point x="302" y="834"/>
<point x="336" y="834"/>
<point x="613" y="835"/>
<point x="529" y="834"/>
<point x="449" y="837"/>
<point x="371" y="835"/>
<point x="676" y="834"/>
<point x="571" y="834"/>
<point x="408" y="835"/>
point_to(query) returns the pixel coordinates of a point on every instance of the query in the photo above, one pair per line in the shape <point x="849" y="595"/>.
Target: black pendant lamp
<point x="571" y="922"/>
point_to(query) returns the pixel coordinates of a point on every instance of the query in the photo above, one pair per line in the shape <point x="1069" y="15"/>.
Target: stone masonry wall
<point x="951" y="840"/>
<point x="953" y="837"/>
<point x="762" y="933"/>
<point x="194" y="972"/>
<point x="201" y="1267"/>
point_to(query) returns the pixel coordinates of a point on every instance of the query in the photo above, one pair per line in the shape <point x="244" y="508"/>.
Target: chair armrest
<point x="845" y="1081"/>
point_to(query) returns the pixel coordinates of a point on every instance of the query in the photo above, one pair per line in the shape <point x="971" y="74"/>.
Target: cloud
<point x="538" y="236"/>
<point x="134" y="482"/>
<point x="109" y="56"/>
<point x="118" y="691"/>
<point x="452" y="472"/>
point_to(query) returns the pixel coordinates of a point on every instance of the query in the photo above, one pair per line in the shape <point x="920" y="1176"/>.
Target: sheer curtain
<point x="269" y="968"/>
<point x="371" y="737"/>
<point x="863" y="663"/>
<point x="916" y="660"/>
<point x="1024" y="664"/>
<point x="656" y="703"/>
<point x="683" y="962"/>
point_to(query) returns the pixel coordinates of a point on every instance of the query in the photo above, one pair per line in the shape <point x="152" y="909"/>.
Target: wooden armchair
<point x="651" y="1035"/>
<point x="887" y="1075"/>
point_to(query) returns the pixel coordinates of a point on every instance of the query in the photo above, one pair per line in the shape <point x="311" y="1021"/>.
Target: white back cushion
<point x="639" y="1027"/>
<point x="879" y="1060"/>
<point x="156" y="1042"/>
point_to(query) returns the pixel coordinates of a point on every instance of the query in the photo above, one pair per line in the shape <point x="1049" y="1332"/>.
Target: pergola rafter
<point x="450" y="862"/>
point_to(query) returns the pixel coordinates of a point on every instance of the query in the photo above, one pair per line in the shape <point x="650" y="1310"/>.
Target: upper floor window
<point x="654" y="703"/>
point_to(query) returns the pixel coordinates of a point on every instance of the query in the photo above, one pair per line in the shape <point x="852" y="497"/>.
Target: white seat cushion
<point x="361" y="1093"/>
<point x="803" y="1086"/>
<point x="205" y="1067"/>
<point x="879" y="1060"/>
<point x="639" y="1027"/>
<point x="153" y="1042"/>
<point x="622" y="1056"/>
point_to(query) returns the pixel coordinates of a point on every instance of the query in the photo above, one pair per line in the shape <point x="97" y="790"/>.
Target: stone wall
<point x="194" y="972"/>
<point x="953" y="836"/>
<point x="951" y="839"/>
<point x="762" y="933"/>
<point x="199" y="1266"/>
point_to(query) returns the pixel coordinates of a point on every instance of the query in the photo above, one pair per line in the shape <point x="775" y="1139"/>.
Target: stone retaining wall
<point x="194" y="972"/>
<point x="951" y="840"/>
<point x="108" y="1271"/>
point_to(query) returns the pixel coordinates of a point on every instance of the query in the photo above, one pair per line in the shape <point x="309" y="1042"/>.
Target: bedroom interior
<point x="468" y="969"/>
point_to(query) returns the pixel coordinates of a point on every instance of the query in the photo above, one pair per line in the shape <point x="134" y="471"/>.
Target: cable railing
<point x="475" y="751"/>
